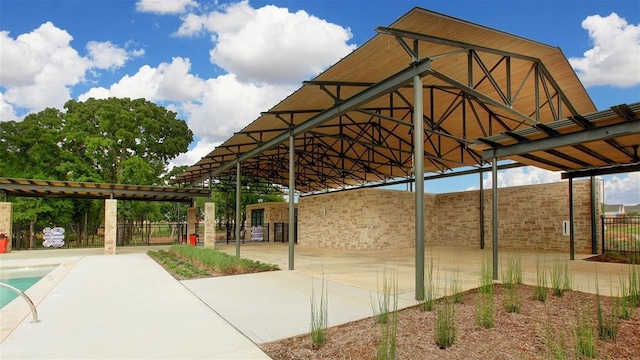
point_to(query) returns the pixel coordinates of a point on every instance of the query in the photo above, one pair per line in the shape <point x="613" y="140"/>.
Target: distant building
<point x="615" y="210"/>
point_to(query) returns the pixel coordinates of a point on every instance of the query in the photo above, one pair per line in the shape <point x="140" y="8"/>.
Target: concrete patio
<point x="126" y="306"/>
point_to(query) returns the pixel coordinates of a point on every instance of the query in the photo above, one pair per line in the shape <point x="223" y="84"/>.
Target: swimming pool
<point x="21" y="278"/>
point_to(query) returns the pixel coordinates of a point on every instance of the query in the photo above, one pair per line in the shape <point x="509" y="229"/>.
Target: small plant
<point x="584" y="335"/>
<point x="429" y="289"/>
<point x="388" y="330"/>
<point x="512" y="301"/>
<point x="513" y="274"/>
<point x="623" y="305"/>
<point x="485" y="311"/>
<point x="560" y="277"/>
<point x="382" y="306"/>
<point x="607" y="323"/>
<point x="634" y="285"/>
<point x="541" y="290"/>
<point x="486" y="276"/>
<point x="555" y="341"/>
<point x="319" y="315"/>
<point x="454" y="288"/>
<point x="445" y="324"/>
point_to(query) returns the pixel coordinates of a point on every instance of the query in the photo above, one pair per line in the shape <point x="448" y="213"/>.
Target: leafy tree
<point x="109" y="140"/>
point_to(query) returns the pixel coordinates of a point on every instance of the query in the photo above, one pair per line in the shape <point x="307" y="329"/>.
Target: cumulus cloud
<point x="269" y="44"/>
<point x="165" y="6"/>
<point x="167" y="82"/>
<point x="228" y="105"/>
<point x="623" y="190"/>
<point x="7" y="113"/>
<point x="527" y="175"/>
<point x="201" y="149"/>
<point x="39" y="68"/>
<point x="106" y="55"/>
<point x="615" y="55"/>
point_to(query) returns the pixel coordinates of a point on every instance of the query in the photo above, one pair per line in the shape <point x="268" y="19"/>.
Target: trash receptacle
<point x="193" y="239"/>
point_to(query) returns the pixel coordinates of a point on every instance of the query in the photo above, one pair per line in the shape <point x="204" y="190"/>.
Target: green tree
<point x="109" y="140"/>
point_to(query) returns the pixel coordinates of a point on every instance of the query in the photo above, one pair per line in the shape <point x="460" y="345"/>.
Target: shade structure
<point x="352" y="124"/>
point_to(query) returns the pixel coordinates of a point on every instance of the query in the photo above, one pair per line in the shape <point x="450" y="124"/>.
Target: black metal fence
<point x="621" y="234"/>
<point x="281" y="232"/>
<point x="26" y="237"/>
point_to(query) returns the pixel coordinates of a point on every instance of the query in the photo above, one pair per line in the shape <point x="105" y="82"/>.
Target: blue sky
<point x="200" y="57"/>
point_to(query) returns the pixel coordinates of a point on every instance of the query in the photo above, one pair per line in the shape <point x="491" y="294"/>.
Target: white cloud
<point x="615" y="55"/>
<point x="167" y="82"/>
<point x="165" y="6"/>
<point x="7" y="113"/>
<point x="39" y="68"/>
<point x="228" y="105"/>
<point x="623" y="189"/>
<point x="527" y="175"/>
<point x="269" y="44"/>
<point x="106" y="55"/>
<point x="200" y="150"/>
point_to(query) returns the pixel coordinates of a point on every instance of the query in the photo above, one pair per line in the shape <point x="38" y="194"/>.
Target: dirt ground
<point x="532" y="333"/>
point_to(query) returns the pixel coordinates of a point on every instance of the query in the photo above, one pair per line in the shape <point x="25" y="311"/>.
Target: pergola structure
<point x="420" y="97"/>
<point x="110" y="193"/>
<point x="56" y="189"/>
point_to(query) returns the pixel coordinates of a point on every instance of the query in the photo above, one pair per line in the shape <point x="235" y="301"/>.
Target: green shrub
<point x="445" y="324"/>
<point x="319" y="315"/>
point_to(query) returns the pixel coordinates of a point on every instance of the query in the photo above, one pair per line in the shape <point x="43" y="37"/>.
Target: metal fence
<point x="621" y="234"/>
<point x="281" y="232"/>
<point x="134" y="234"/>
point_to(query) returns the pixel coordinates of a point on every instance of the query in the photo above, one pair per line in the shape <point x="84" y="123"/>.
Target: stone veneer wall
<point x="5" y="222"/>
<point x="361" y="219"/>
<point x="530" y="218"/>
<point x="274" y="212"/>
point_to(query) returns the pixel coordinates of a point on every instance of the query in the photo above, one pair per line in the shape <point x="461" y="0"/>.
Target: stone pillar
<point x="6" y="214"/>
<point x="191" y="223"/>
<point x="110" y="226"/>
<point x="209" y="225"/>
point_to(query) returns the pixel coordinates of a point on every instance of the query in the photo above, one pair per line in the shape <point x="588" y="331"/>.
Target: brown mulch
<point x="529" y="334"/>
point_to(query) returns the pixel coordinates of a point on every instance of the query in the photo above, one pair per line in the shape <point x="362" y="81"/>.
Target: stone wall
<point x="5" y="222"/>
<point x="361" y="219"/>
<point x="530" y="218"/>
<point x="274" y="212"/>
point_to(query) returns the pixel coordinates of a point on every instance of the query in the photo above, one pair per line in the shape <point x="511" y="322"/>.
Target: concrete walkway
<point x="127" y="306"/>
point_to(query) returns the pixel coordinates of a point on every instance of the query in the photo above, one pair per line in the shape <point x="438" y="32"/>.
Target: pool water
<point x="22" y="279"/>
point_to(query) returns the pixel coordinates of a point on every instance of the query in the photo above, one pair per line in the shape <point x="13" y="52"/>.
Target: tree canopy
<point x="108" y="140"/>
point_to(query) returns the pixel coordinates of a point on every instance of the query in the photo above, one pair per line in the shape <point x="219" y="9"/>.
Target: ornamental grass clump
<point x="607" y="323"/>
<point x="319" y="315"/>
<point x="381" y="305"/>
<point x="541" y="290"/>
<point x="513" y="274"/>
<point x="218" y="261"/>
<point x="634" y="285"/>
<point x="445" y="324"/>
<point x="584" y="335"/>
<point x="388" y="330"/>
<point x="485" y="310"/>
<point x="624" y="307"/>
<point x="429" y="288"/>
<point x="454" y="288"/>
<point x="560" y="277"/>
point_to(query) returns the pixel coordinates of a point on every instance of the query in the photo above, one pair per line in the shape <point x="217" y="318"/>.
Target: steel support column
<point x="238" y="209"/>
<point x="292" y="189"/>
<point x="418" y="156"/>
<point x="481" y="212"/>
<point x="594" y="218"/>
<point x="494" y="184"/>
<point x="572" y="250"/>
